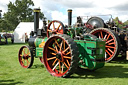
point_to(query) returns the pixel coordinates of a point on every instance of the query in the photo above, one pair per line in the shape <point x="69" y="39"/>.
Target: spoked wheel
<point x="55" y="27"/>
<point x="112" y="45"/>
<point x="60" y="55"/>
<point x="25" y="57"/>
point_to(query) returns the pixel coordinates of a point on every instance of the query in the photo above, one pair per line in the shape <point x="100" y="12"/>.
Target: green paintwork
<point x="71" y="32"/>
<point x="86" y="59"/>
<point x="39" y="52"/>
<point x="40" y="42"/>
<point x="89" y="59"/>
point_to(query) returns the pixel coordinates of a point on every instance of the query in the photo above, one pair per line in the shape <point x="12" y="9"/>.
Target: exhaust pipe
<point x="36" y="20"/>
<point x="69" y="17"/>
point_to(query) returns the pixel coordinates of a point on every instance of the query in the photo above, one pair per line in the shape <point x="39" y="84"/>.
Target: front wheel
<point x="60" y="55"/>
<point x="25" y="57"/>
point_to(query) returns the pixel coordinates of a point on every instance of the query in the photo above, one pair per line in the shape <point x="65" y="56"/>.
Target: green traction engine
<point x="62" y="49"/>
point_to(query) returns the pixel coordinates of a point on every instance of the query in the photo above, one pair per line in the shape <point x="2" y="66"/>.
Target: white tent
<point x="22" y="28"/>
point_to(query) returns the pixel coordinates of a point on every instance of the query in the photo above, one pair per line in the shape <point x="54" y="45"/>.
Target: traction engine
<point x="116" y="38"/>
<point x="62" y="49"/>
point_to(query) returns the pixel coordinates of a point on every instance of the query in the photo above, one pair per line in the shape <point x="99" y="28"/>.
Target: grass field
<point x="11" y="73"/>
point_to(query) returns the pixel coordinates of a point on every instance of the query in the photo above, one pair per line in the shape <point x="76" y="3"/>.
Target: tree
<point x="119" y="23"/>
<point x="126" y="22"/>
<point x="4" y="25"/>
<point x="19" y="11"/>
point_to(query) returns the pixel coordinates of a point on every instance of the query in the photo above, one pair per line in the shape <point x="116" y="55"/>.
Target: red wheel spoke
<point x="61" y="46"/>
<point x="65" y="49"/>
<point x="62" y="68"/>
<point x="101" y="34"/>
<point x="51" y="58"/>
<point x="64" y="44"/>
<point x="68" y="53"/>
<point x="66" y="65"/>
<point x="52" y="49"/>
<point x="28" y="63"/>
<point x="24" y="51"/>
<point x="110" y="50"/>
<point x="28" y="52"/>
<point x="68" y="62"/>
<point x="57" y="43"/>
<point x="53" y="53"/>
<point x="108" y="37"/>
<point x="22" y="60"/>
<point x="55" y="66"/>
<point x="105" y="36"/>
<point x="109" y="46"/>
<point x="67" y="57"/>
<point x="109" y="40"/>
<point x="59" y="66"/>
<point x="110" y="43"/>
<point x="54" y="62"/>
<point x="56" y="48"/>
<point x="58" y="28"/>
<point x="53" y="26"/>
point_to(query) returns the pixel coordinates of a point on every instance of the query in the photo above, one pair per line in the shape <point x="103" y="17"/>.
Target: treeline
<point x="120" y="24"/>
<point x="19" y="11"/>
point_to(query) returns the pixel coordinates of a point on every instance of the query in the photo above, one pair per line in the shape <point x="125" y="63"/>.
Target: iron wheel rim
<point x="55" y="65"/>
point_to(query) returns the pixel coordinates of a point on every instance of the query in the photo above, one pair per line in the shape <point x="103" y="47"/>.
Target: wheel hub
<point x="25" y="56"/>
<point x="59" y="57"/>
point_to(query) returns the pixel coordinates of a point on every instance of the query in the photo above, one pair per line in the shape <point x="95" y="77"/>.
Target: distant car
<point x="8" y="35"/>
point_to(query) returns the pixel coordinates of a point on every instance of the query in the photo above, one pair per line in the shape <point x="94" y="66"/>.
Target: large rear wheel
<point x="60" y="55"/>
<point x="112" y="45"/>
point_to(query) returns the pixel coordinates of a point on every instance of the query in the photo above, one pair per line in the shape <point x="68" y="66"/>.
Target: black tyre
<point x="60" y="55"/>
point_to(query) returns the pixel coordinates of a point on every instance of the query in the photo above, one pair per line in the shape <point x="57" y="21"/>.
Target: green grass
<point x="11" y="73"/>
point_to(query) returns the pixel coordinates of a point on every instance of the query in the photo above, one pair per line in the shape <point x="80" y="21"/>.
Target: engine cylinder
<point x="31" y="42"/>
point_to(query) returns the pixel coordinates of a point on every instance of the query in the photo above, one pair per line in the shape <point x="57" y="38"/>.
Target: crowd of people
<point x="4" y="38"/>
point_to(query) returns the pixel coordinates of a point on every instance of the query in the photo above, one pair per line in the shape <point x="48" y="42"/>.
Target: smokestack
<point x="0" y="13"/>
<point x="69" y="17"/>
<point x="36" y="20"/>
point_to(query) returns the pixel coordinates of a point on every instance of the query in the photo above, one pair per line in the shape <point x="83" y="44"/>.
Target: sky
<point x="57" y="9"/>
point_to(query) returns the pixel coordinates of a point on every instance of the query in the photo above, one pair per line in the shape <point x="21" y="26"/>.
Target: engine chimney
<point x="69" y="17"/>
<point x="0" y="13"/>
<point x="36" y="20"/>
